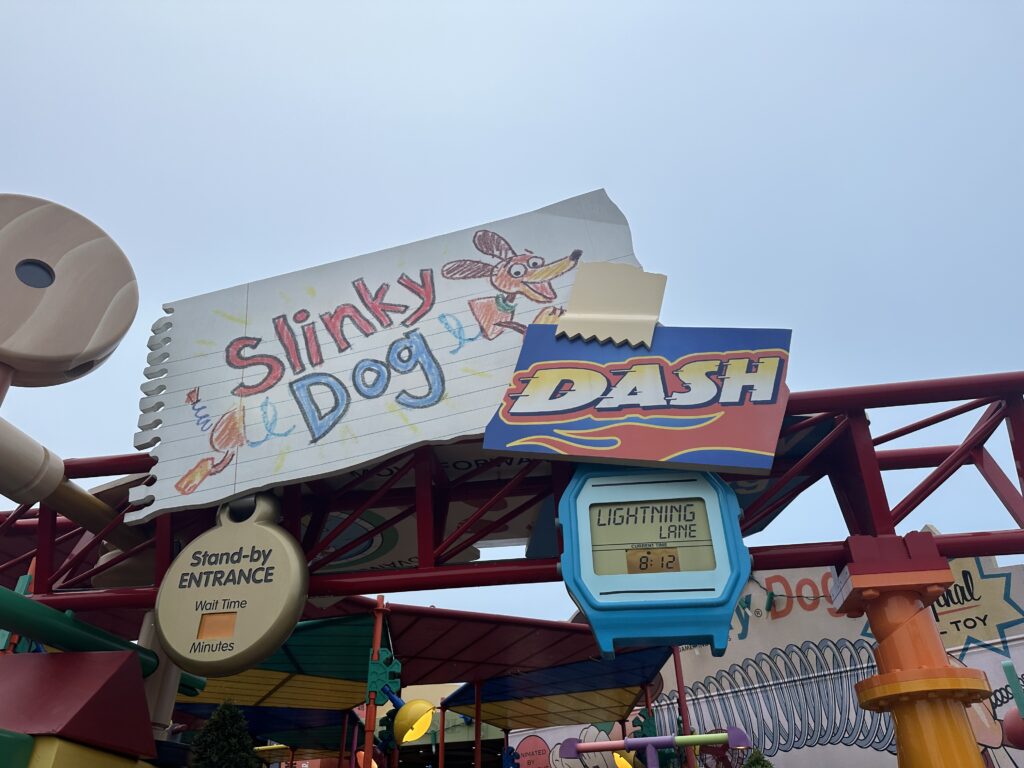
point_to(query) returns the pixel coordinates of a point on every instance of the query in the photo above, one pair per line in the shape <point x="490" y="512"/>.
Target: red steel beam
<point x="126" y="598"/>
<point x="495" y="572"/>
<point x="164" y="555"/>
<point x="781" y="556"/>
<point x="25" y="557"/>
<point x="988" y="423"/>
<point x="810" y="421"/>
<point x="107" y="466"/>
<point x="493" y="526"/>
<point x="780" y="503"/>
<point x="833" y="553"/>
<point x="761" y="506"/>
<point x="486" y="574"/>
<point x="30" y="527"/>
<point x="469" y="493"/>
<point x="82" y="551"/>
<point x="932" y="420"/>
<point x="484" y="508"/>
<point x="425" y="535"/>
<point x="367" y="536"/>
<point x="350" y="520"/>
<point x="317" y="521"/>
<point x="116" y="560"/>
<point x="906" y="393"/>
<point x="345" y="490"/>
<point x="1015" y="428"/>
<point x="856" y="478"/>
<point x="46" y="545"/>
<point x="12" y="518"/>
<point x="982" y="544"/>
<point x="1000" y="484"/>
<point x="917" y="458"/>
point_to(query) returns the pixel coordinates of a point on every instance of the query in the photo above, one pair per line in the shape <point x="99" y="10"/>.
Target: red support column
<point x="1015" y="428"/>
<point x="1001" y="485"/>
<point x="684" y="715"/>
<point x="44" y="552"/>
<point x="478" y="753"/>
<point x="164" y="547"/>
<point x="291" y="511"/>
<point x="857" y="480"/>
<point x="344" y="738"/>
<point x="425" y="535"/>
<point x="371" y="704"/>
<point x="440" y="740"/>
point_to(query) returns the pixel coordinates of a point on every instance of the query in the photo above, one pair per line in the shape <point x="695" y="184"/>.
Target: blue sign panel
<point x="699" y="398"/>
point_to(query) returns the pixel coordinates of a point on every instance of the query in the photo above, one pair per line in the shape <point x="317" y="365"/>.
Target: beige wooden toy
<point x="67" y="297"/>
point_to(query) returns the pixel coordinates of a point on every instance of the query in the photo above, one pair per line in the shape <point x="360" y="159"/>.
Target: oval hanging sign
<point x="234" y="594"/>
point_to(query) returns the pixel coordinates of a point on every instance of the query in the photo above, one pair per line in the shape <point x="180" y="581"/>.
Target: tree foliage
<point x="757" y="760"/>
<point x="224" y="741"/>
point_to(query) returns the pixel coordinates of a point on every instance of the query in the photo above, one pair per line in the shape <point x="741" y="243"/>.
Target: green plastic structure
<point x="24" y="616"/>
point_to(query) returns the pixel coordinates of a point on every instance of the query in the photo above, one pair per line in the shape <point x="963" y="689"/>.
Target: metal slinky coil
<point x="789" y="698"/>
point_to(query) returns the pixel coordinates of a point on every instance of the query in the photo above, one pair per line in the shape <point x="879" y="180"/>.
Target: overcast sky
<point x="851" y="170"/>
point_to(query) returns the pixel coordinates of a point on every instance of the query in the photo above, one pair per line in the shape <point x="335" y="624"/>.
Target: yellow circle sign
<point x="234" y="594"/>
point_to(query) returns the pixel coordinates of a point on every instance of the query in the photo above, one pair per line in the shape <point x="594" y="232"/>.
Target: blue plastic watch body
<point x="656" y="620"/>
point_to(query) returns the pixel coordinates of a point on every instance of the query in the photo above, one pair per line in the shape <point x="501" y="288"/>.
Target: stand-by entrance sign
<point x="234" y="594"/>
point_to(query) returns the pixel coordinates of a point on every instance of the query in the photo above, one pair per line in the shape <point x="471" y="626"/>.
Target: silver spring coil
<point x="789" y="698"/>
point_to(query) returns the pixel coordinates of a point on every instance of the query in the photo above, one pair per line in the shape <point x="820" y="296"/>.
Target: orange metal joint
<point x="965" y="685"/>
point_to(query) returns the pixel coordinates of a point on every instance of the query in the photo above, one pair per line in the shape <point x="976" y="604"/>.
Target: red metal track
<point x="848" y="457"/>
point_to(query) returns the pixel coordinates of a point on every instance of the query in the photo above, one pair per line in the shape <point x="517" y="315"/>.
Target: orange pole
<point x="371" y="705"/>
<point x="915" y="681"/>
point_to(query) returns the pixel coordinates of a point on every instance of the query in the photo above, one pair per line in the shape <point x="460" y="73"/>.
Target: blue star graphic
<point x="1000" y="646"/>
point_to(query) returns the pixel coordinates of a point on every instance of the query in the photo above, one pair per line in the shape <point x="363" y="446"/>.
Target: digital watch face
<point x="646" y="536"/>
<point x="653" y="556"/>
<point x="651" y="536"/>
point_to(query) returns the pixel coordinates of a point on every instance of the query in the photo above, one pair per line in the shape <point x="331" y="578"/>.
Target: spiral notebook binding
<point x="152" y="401"/>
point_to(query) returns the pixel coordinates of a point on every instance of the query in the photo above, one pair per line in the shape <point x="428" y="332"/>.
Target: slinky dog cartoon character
<point x="512" y="274"/>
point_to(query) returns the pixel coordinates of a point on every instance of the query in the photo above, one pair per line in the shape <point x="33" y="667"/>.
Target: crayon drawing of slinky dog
<point x="511" y="274"/>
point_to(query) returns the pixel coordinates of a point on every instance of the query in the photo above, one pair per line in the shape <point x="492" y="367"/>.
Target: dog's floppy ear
<point x="467" y="269"/>
<point x="493" y="244"/>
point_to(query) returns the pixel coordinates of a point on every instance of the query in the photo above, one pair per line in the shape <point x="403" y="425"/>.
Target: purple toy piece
<point x="738" y="738"/>
<point x="569" y="749"/>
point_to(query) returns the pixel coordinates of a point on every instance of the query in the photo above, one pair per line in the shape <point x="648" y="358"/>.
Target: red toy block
<point x="96" y="699"/>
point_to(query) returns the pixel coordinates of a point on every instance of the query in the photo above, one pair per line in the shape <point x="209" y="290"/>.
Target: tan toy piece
<point x="67" y="297"/>
<point x="234" y="593"/>
<point x="67" y="292"/>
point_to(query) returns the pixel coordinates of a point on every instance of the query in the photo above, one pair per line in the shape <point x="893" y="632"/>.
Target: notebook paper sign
<point x="308" y="374"/>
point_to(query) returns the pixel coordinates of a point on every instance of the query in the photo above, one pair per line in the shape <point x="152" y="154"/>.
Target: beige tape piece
<point x="613" y="302"/>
